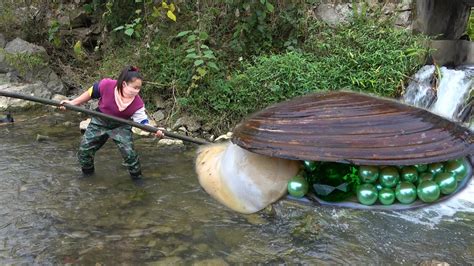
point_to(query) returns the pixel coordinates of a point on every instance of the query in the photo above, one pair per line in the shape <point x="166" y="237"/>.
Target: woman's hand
<point x="65" y="102"/>
<point x="159" y="134"/>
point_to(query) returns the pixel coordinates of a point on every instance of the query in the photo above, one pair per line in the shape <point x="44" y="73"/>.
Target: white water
<point x="452" y="92"/>
<point x="420" y="91"/>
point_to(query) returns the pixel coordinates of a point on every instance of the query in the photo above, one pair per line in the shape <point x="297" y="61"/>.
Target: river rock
<point x="36" y="89"/>
<point x="170" y="142"/>
<point x="40" y="72"/>
<point x="191" y="124"/>
<point x="84" y="124"/>
<point x="19" y="46"/>
<point x="40" y="138"/>
<point x="158" y="115"/>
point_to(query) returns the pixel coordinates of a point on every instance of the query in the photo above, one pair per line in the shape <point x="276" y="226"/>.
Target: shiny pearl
<point x="405" y="192"/>
<point x="421" y="167"/>
<point x="458" y="167"/>
<point x="386" y="196"/>
<point x="297" y="186"/>
<point x="389" y="177"/>
<point x="310" y="166"/>
<point x="409" y="173"/>
<point x="425" y="176"/>
<point x="428" y="191"/>
<point x="367" y="194"/>
<point x="435" y="168"/>
<point x="368" y="174"/>
<point x="447" y="182"/>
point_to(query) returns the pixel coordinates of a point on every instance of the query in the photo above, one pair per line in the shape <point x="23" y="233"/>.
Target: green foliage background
<point x="265" y="51"/>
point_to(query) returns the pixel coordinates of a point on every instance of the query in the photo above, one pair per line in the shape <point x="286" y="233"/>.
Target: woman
<point x="117" y="98"/>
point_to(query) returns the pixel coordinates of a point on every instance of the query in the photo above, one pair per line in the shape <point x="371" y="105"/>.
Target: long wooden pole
<point x="101" y="115"/>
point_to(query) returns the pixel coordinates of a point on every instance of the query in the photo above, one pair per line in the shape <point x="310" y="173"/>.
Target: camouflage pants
<point x="97" y="134"/>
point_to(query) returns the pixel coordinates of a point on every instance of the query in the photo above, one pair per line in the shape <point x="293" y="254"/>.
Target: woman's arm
<point x="83" y="98"/>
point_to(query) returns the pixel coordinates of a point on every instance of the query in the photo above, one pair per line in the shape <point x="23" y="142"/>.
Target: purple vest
<point x="107" y="103"/>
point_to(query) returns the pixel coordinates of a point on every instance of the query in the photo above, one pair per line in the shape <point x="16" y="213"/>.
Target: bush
<point x="366" y="56"/>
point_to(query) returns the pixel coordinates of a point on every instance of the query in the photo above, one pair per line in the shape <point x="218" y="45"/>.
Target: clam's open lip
<point x="355" y="128"/>
<point x="312" y="199"/>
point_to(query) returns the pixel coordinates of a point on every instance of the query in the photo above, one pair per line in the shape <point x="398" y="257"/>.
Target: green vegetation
<point x="221" y="60"/>
<point x="362" y="56"/>
<point x="470" y="26"/>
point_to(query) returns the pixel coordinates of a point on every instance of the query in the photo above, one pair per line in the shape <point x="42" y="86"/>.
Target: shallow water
<point x="50" y="215"/>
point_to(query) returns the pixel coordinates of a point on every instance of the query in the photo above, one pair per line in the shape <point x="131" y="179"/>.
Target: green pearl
<point x="428" y="191"/>
<point x="378" y="187"/>
<point x="447" y="182"/>
<point x="310" y="166"/>
<point x="405" y="192"/>
<point x="386" y="196"/>
<point x="410" y="174"/>
<point x="367" y="194"/>
<point x="425" y="176"/>
<point x="389" y="177"/>
<point x="297" y="186"/>
<point x="368" y="174"/>
<point x="435" y="168"/>
<point x="458" y="167"/>
<point x="421" y="167"/>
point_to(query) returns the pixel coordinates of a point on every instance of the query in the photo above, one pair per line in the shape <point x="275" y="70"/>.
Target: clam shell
<point x="354" y="128"/>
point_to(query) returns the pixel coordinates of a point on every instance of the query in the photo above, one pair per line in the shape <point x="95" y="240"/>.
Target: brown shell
<point x="353" y="128"/>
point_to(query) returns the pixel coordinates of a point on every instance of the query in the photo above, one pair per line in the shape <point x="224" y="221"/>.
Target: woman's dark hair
<point x="128" y="74"/>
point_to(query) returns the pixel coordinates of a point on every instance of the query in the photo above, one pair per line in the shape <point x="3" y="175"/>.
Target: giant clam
<point x="343" y="127"/>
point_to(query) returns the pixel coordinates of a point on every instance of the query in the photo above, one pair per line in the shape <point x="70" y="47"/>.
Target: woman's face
<point x="135" y="83"/>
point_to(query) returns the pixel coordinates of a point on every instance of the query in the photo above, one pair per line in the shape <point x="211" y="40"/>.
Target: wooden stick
<point x="101" y="115"/>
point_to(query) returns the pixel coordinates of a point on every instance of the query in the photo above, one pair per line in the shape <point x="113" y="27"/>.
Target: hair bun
<point x="134" y="68"/>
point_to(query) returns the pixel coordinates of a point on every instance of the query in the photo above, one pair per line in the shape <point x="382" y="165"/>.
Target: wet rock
<point x="191" y="124"/>
<point x="36" y="89"/>
<point x="41" y="137"/>
<point x="158" y="116"/>
<point x="19" y="46"/>
<point x="67" y="123"/>
<point x="140" y="132"/>
<point x="84" y="124"/>
<point x="170" y="142"/>
<point x="211" y="262"/>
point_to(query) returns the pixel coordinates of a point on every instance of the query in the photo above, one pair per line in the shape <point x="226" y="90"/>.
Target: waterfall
<point x="449" y="98"/>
